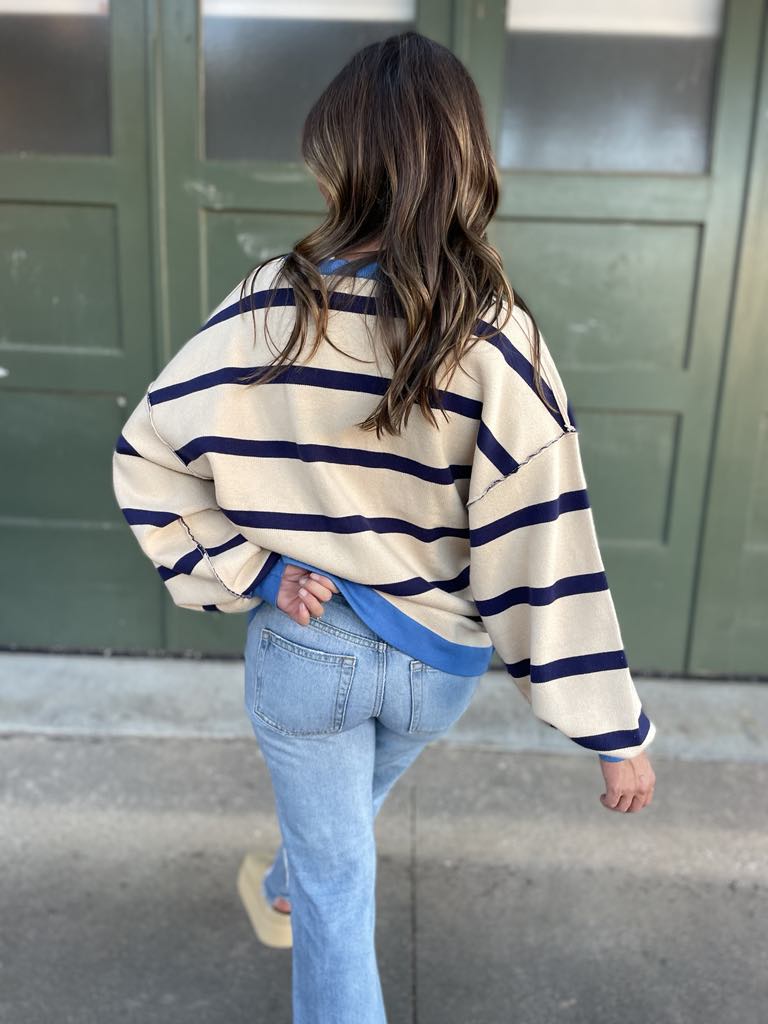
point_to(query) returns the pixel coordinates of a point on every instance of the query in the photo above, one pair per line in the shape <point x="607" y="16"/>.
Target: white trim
<point x="312" y="10"/>
<point x="82" y="7"/>
<point x="616" y="17"/>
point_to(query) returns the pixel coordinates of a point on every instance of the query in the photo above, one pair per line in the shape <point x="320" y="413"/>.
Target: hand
<point x="301" y="605"/>
<point x="629" y="784"/>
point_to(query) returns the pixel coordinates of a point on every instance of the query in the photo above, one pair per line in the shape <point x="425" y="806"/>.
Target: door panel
<point x="128" y="211"/>
<point x="76" y="334"/>
<point x="730" y="633"/>
<point x="251" y="197"/>
<point x="629" y="278"/>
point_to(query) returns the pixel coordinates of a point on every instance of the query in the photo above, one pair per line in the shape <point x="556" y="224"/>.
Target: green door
<point x="234" y="92"/>
<point x="730" y="635"/>
<point x="140" y="182"/>
<point x="627" y="262"/>
<point x="76" y="330"/>
<point x="626" y="265"/>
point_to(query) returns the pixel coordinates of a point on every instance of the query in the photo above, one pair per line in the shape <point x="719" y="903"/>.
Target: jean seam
<point x="416" y="696"/>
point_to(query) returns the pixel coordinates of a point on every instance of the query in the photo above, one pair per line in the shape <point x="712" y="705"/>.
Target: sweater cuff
<point x="268" y="587"/>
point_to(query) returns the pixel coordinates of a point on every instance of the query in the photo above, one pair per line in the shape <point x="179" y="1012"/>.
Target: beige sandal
<point x="272" y="926"/>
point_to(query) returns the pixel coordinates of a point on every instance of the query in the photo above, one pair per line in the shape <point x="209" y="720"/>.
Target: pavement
<point x="132" y="787"/>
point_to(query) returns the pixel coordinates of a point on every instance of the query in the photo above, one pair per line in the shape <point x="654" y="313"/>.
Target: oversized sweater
<point x="450" y="541"/>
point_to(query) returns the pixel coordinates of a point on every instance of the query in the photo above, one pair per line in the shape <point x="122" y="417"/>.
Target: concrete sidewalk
<point x="506" y="893"/>
<point x="85" y="695"/>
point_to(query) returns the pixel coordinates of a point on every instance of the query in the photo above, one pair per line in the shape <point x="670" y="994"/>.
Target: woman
<point x="289" y="463"/>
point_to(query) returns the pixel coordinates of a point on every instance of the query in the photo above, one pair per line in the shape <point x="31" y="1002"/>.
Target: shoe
<point x="273" y="927"/>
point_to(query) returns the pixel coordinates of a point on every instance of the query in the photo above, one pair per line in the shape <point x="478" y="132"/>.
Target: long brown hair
<point x="399" y="144"/>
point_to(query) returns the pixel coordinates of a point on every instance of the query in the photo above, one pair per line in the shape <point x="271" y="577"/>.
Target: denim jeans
<point x="339" y="714"/>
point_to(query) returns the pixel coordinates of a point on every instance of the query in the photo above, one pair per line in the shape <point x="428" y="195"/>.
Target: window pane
<point x="262" y="74"/>
<point x="605" y="86"/>
<point x="54" y="76"/>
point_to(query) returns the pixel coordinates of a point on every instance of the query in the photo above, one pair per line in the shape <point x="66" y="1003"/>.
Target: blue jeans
<point x="339" y="714"/>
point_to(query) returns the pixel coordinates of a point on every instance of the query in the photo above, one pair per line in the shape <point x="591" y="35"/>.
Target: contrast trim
<point x="403" y="632"/>
<point x="618" y="739"/>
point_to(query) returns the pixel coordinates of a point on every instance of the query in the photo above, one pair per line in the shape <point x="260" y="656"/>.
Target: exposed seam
<point x="171" y="449"/>
<point x="525" y="461"/>
<point x="181" y="519"/>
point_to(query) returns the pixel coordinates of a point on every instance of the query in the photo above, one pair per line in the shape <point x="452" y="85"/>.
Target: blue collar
<point x="330" y="266"/>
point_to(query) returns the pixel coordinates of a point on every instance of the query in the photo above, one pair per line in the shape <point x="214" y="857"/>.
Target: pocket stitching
<point x="346" y="663"/>
<point x="417" y="699"/>
<point x="305" y="652"/>
<point x="416" y="696"/>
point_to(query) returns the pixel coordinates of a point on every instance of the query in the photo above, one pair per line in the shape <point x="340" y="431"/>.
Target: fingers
<point x="302" y="593"/>
<point x="302" y="614"/>
<point x="313" y="593"/>
<point x="629" y="787"/>
<point x="324" y="581"/>
<point x="619" y="801"/>
<point x="299" y="575"/>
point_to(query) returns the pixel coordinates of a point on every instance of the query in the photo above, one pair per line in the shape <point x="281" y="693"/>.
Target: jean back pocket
<point x="438" y="698"/>
<point x="300" y="690"/>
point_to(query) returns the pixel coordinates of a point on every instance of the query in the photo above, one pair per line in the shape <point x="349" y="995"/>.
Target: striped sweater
<point x="450" y="542"/>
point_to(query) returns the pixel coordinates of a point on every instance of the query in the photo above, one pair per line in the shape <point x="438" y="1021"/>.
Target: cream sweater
<point x="453" y="541"/>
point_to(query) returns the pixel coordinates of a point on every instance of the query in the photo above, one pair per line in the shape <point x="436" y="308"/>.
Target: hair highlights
<point x="398" y="144"/>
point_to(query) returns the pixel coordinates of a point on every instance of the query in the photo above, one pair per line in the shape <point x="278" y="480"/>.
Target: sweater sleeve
<point x="537" y="576"/>
<point x="204" y="562"/>
<point x="536" y="570"/>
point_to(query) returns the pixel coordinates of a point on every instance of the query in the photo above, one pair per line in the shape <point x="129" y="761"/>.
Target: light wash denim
<point x="339" y="714"/>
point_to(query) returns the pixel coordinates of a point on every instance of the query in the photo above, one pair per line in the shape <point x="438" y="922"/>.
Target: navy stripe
<point x="224" y="375"/>
<point x="124" y="447"/>
<point x="542" y="512"/>
<point x="344" y="301"/>
<point x="146" y="517"/>
<point x="265" y="570"/>
<point x="320" y="453"/>
<point x="583" y="583"/>
<point x="571" y="415"/>
<point x="366" y="304"/>
<point x="515" y="358"/>
<point x="579" y="664"/>
<point x="340" y="524"/>
<point x="257" y="300"/>
<point x="182" y="567"/>
<point x="418" y="585"/>
<point x="187" y="562"/>
<point x="313" y="376"/>
<point x="212" y="608"/>
<point x="234" y="542"/>
<point x="618" y="739"/>
<point x="494" y="451"/>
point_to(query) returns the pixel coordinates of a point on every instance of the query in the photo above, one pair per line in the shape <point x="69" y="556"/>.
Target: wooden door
<point x="76" y="324"/>
<point x="623" y="242"/>
<point x="234" y="92"/>
<point x="730" y="636"/>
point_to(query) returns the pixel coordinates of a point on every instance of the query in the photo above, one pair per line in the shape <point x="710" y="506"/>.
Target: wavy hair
<point x="398" y="144"/>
